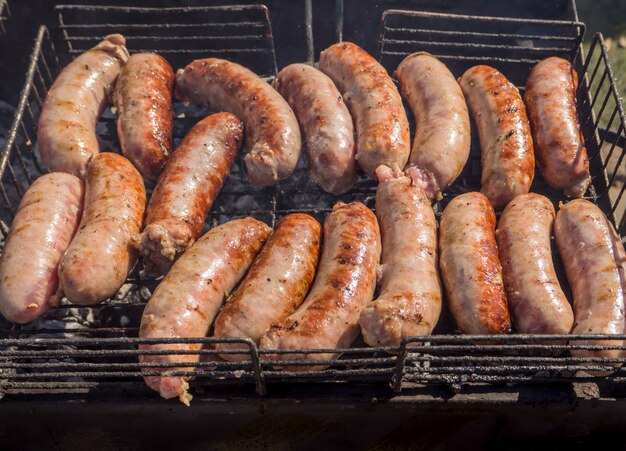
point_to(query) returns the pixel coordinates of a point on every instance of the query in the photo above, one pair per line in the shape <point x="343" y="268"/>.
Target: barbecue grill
<point x="90" y="354"/>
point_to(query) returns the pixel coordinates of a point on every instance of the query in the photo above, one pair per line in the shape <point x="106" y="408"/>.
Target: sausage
<point x="536" y="301"/>
<point x="594" y="259"/>
<point x="44" y="225"/>
<point x="67" y="125"/>
<point x="276" y="284"/>
<point x="375" y="104"/>
<point x="325" y="123"/>
<point x="272" y="133"/>
<point x="409" y="302"/>
<point x="470" y="268"/>
<point x="344" y="284"/>
<point x="187" y="188"/>
<point x="143" y="97"/>
<point x="100" y="256"/>
<point x="186" y="301"/>
<point x="508" y="161"/>
<point x="551" y="101"/>
<point x="442" y="126"/>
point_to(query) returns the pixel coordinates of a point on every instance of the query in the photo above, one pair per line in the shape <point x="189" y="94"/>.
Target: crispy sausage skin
<point x="375" y="104"/>
<point x="325" y="123"/>
<point x="470" y="267"/>
<point x="536" y="301"/>
<point x="551" y="101"/>
<point x="143" y="97"/>
<point x="187" y="188"/>
<point x="276" y="284"/>
<point x="594" y="259"/>
<point x="186" y="301"/>
<point x="409" y="303"/>
<point x="67" y="125"/>
<point x="442" y="126"/>
<point x="344" y="284"/>
<point x="508" y="161"/>
<point x="44" y="225"/>
<point x="100" y="256"/>
<point x="272" y="132"/>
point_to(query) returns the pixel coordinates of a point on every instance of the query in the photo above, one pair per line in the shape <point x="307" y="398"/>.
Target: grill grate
<point x="93" y="350"/>
<point x="5" y="13"/>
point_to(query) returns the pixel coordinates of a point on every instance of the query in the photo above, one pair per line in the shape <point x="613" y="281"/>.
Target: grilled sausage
<point x="143" y="97"/>
<point x="43" y="227"/>
<point x="272" y="133"/>
<point x="345" y="283"/>
<point x="276" y="284"/>
<point x="100" y="256"/>
<point x="325" y="123"/>
<point x="470" y="267"/>
<point x="551" y="100"/>
<point x="187" y="188"/>
<point x="186" y="301"/>
<point x="536" y="301"/>
<point x="67" y="125"/>
<point x="594" y="259"/>
<point x="508" y="161"/>
<point x="442" y="126"/>
<point x="375" y="104"/>
<point x="409" y="303"/>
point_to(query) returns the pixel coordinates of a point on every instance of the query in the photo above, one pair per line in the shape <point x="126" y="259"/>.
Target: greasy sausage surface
<point x="508" y="161"/>
<point x="376" y="106"/>
<point x="67" y="125"/>
<point x="143" y="97"/>
<point x="551" y="101"/>
<point x="276" y="284"/>
<point x="536" y="301"/>
<point x="594" y="259"/>
<point x="186" y="301"/>
<point x="272" y="132"/>
<point x="100" y="256"/>
<point x="344" y="284"/>
<point x="44" y="225"/>
<point x="409" y="302"/>
<point x="470" y="267"/>
<point x="187" y="188"/>
<point x="325" y="122"/>
<point x="442" y="126"/>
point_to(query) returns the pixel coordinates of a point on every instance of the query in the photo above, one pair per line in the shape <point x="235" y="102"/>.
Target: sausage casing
<point x="375" y="104"/>
<point x="100" y="256"/>
<point x="44" y="225"/>
<point x="186" y="301"/>
<point x="470" y="266"/>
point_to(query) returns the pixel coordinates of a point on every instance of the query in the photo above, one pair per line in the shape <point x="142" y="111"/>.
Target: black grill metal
<point x="4" y="15"/>
<point x="83" y="351"/>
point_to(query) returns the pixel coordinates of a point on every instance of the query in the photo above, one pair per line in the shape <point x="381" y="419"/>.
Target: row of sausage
<point x="373" y="108"/>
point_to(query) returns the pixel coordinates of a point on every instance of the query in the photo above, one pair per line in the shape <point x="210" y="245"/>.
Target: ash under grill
<point x="91" y="351"/>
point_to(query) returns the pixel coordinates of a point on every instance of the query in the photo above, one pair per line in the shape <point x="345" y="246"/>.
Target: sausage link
<point x="409" y="303"/>
<point x="470" y="267"/>
<point x="186" y="301"/>
<point x="143" y="97"/>
<point x="67" y="125"/>
<point x="325" y="123"/>
<point x="536" y="301"/>
<point x="187" y="188"/>
<point x="594" y="259"/>
<point x="272" y="133"/>
<point x="345" y="283"/>
<point x="508" y="161"/>
<point x="375" y="104"/>
<point x="100" y="256"/>
<point x="276" y="284"/>
<point x="551" y="100"/>
<point x="44" y="225"/>
<point x="442" y="126"/>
